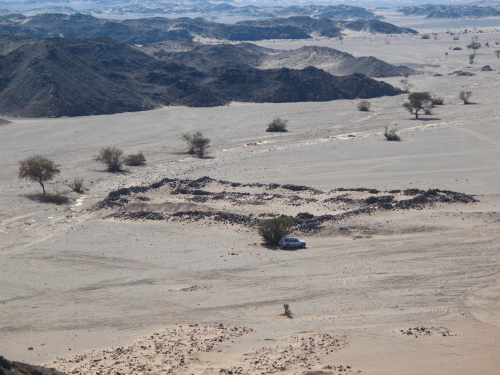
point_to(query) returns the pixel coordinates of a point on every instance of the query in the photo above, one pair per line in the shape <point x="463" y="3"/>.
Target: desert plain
<point x="405" y="291"/>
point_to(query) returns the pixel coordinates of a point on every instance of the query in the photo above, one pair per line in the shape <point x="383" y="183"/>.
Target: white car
<point x="288" y="242"/>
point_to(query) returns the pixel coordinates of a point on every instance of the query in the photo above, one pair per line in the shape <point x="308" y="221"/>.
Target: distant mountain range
<point x="453" y="11"/>
<point x="212" y="10"/>
<point x="76" y="77"/>
<point x="158" y="29"/>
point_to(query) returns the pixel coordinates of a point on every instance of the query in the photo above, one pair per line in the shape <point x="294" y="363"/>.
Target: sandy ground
<point x="151" y="296"/>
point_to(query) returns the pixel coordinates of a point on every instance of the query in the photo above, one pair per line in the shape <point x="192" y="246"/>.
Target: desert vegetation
<point x="465" y="96"/>
<point x="287" y="311"/>
<point x="38" y="168"/>
<point x="390" y="133"/>
<point x="418" y="101"/>
<point x="474" y="45"/>
<point x="277" y="125"/>
<point x="272" y="230"/>
<point x="112" y="158"/>
<point x="437" y="100"/>
<point x="364" y="105"/>
<point x="77" y="185"/>
<point x="405" y="85"/>
<point x="135" y="160"/>
<point x="197" y="143"/>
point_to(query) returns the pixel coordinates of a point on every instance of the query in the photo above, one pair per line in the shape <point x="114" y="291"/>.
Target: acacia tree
<point x="197" y="143"/>
<point x="418" y="101"/>
<point x="272" y="230"/>
<point x="474" y="45"/>
<point x="38" y="168"/>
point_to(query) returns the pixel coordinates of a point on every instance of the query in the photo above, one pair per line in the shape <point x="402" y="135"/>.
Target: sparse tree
<point x="135" y="160"/>
<point x="465" y="96"/>
<point x="38" y="168"/>
<point x="474" y="45"/>
<point x="77" y="185"/>
<point x="272" y="230"/>
<point x="364" y="105"/>
<point x="405" y="85"/>
<point x="497" y="53"/>
<point x="277" y="125"/>
<point x="341" y="38"/>
<point x="471" y="58"/>
<point x="112" y="158"/>
<point x="200" y="144"/>
<point x="418" y="101"/>
<point x="188" y="138"/>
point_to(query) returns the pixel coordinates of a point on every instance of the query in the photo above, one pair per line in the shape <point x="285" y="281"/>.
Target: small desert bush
<point x="437" y="100"/>
<point x="272" y="230"/>
<point x="425" y="36"/>
<point x="287" y="312"/>
<point x="465" y="96"/>
<point x="134" y="160"/>
<point x="364" y="105"/>
<point x="112" y="158"/>
<point x="390" y="133"/>
<point x="77" y="185"/>
<point x="277" y="125"/>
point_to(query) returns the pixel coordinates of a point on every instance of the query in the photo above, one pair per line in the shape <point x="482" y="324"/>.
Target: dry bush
<point x="437" y="100"/>
<point x="390" y="133"/>
<point x="277" y="125"/>
<point x="364" y="105"/>
<point x="287" y="312"/>
<point x="135" y="160"/>
<point x="112" y="158"/>
<point x="77" y="185"/>
<point x="465" y="96"/>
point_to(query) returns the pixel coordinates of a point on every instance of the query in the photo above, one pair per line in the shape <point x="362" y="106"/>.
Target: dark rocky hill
<point x="76" y="77"/>
<point x="376" y="27"/>
<point x="208" y="57"/>
<point x="334" y="62"/>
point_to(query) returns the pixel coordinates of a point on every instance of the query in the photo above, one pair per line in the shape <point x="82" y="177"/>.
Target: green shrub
<point x="135" y="160"/>
<point x="38" y="168"/>
<point x="272" y="230"/>
<point x="112" y="158"/>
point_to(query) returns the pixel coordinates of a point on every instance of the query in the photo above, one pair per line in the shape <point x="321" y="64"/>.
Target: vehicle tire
<point x="303" y="245"/>
<point x="287" y="246"/>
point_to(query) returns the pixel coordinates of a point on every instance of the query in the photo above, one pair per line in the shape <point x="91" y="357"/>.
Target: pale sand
<point x="70" y="280"/>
